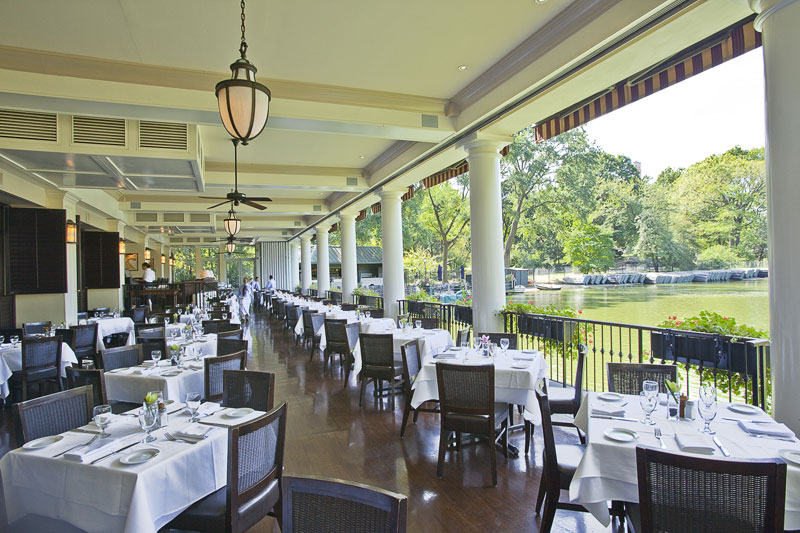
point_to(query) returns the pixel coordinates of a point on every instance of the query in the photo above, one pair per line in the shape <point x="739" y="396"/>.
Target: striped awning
<point x="720" y="47"/>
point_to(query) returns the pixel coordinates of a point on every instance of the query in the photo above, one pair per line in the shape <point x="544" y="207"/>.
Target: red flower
<point x="678" y="323"/>
<point x="580" y="312"/>
<point x="724" y="318"/>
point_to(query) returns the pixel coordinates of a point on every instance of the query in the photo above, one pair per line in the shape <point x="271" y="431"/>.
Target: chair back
<point x="121" y="357"/>
<point x="248" y="388"/>
<point x="308" y="325"/>
<point x="466" y="389"/>
<point x="352" y="331"/>
<point x="227" y="346"/>
<point x="578" y="384"/>
<point x="686" y="493"/>
<point x="40" y="354"/>
<point x="53" y="414"/>
<point x="429" y="323"/>
<point x="35" y="328"/>
<point x="102" y="311"/>
<point x="376" y="313"/>
<point x="85" y="337"/>
<point x="550" y="457"/>
<point x="149" y="345"/>
<point x="312" y="504"/>
<point x="139" y="314"/>
<point x="463" y="337"/>
<point x="81" y="377"/>
<point x="289" y="312"/>
<point x="317" y="323"/>
<point x="349" y="307"/>
<point x="231" y="334"/>
<point x="212" y="326"/>
<point x="411" y="362"/>
<point x="377" y="349"/>
<point x="281" y="308"/>
<point x="217" y="314"/>
<point x="83" y="315"/>
<point x="335" y="332"/>
<point x="495" y="338"/>
<point x="627" y="378"/>
<point x="255" y="461"/>
<point x="214" y="367"/>
<point x="152" y="332"/>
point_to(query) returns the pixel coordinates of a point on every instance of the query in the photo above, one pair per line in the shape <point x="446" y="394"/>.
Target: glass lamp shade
<point x="207" y="274"/>
<point x="72" y="232"/>
<point x="147" y="254"/>
<point x="121" y="246"/>
<point x="230" y="247"/>
<point x="163" y="259"/>
<point x="171" y="261"/>
<point x="232" y="224"/>
<point x="243" y="103"/>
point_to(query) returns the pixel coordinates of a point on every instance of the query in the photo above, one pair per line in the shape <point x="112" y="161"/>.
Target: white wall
<point x="40" y="307"/>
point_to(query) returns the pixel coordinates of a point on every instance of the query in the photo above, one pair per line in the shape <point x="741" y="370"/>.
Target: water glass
<point x="102" y="418"/>
<point x="367" y="314"/>
<point x="504" y="345"/>
<point x="707" y="407"/>
<point x="148" y="418"/>
<point x="14" y="340"/>
<point x="650" y="388"/>
<point x="193" y="404"/>
<point x="418" y="324"/>
<point x="155" y="355"/>
<point x="648" y="402"/>
<point x="224" y="316"/>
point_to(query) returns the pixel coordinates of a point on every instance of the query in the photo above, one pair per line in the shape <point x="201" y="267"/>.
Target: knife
<point x="722" y="448"/>
<point x="606" y="417"/>
<point x="115" y="453"/>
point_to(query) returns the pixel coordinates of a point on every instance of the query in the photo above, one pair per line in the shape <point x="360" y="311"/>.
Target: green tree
<point x="447" y="217"/>
<point x="589" y="248"/>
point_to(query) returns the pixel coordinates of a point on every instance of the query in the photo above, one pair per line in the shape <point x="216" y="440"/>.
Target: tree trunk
<point x="445" y="250"/>
<point x="512" y="233"/>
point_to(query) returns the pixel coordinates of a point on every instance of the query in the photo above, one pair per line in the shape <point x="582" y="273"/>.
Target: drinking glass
<point x="707" y="407"/>
<point x="224" y="316"/>
<point x="2" y="339"/>
<point x="418" y="324"/>
<point x="14" y="340"/>
<point x="504" y="345"/>
<point x="650" y="388"/>
<point x="367" y="314"/>
<point x="166" y="321"/>
<point x="155" y="355"/>
<point x="102" y="418"/>
<point x="193" y="403"/>
<point x="180" y="311"/>
<point x="148" y="417"/>
<point x="648" y="403"/>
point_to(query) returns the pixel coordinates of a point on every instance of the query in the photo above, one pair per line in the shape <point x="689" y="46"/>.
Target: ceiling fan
<point x="236" y="197"/>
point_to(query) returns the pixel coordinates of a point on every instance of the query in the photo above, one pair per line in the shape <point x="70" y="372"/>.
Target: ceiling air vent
<point x="199" y="217"/>
<point x="193" y="239"/>
<point x="209" y="239"/>
<point x="164" y="135"/>
<point x="296" y="222"/>
<point x="173" y="217"/>
<point x="175" y="239"/>
<point x="136" y="205"/>
<point x="317" y="208"/>
<point x="146" y="217"/>
<point x="97" y="130"/>
<point x="352" y="182"/>
<point x="28" y="126"/>
<point x="430" y="121"/>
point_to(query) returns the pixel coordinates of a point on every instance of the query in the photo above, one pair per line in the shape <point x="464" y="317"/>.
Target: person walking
<point x="149" y="278"/>
<point x="245" y="299"/>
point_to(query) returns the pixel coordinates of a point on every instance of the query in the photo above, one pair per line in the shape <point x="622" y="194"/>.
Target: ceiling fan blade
<point x="253" y="204"/>
<point x="219" y="204"/>
<point x="259" y="199"/>
<point x="212" y="197"/>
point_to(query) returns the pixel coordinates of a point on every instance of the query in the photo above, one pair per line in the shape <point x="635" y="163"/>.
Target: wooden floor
<point x="328" y="435"/>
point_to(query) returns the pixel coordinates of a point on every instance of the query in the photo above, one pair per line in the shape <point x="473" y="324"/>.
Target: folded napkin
<point x="208" y="408"/>
<point x="445" y="355"/>
<point x="95" y="450"/>
<point x="609" y="411"/>
<point x="771" y="429"/>
<point x="193" y="432"/>
<point x="524" y="357"/>
<point x="695" y="443"/>
<point x="146" y="371"/>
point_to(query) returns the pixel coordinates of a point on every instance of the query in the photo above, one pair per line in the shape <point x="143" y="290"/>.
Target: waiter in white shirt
<point x="149" y="278"/>
<point x="245" y="297"/>
<point x="257" y="296"/>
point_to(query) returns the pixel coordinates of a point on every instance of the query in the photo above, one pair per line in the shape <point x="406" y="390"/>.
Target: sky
<point x="683" y="124"/>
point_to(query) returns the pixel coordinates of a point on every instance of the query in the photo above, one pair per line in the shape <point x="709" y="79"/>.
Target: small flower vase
<point x="485" y="349"/>
<point x="672" y="407"/>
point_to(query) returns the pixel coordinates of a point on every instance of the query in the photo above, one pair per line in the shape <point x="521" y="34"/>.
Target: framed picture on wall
<point x="132" y="261"/>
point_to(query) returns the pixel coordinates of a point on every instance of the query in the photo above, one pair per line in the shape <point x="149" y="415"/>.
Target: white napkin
<point x="95" y="450"/>
<point x="524" y="357"/>
<point x="609" y="411"/>
<point x="208" y="408"/>
<point x="112" y="419"/>
<point x="695" y="443"/>
<point x="771" y="429"/>
<point x="146" y="371"/>
<point x="445" y="355"/>
<point x="193" y="432"/>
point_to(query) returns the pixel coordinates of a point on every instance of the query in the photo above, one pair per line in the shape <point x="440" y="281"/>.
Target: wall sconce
<point x="172" y="260"/>
<point x="147" y="252"/>
<point x="122" y="246"/>
<point x="163" y="259"/>
<point x="72" y="232"/>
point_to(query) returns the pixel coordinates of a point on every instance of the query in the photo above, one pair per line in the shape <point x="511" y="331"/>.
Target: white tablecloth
<point x="109" y="496"/>
<point x="332" y="312"/>
<point x="110" y="326"/>
<point x="367" y="325"/>
<point x="431" y="341"/>
<point x="11" y="361"/>
<point x="608" y="468"/>
<point x="511" y="385"/>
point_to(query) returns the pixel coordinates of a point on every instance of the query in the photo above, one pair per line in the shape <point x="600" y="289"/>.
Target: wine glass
<point x="224" y="316"/>
<point x="148" y="416"/>
<point x="650" y="388"/>
<point x="14" y="340"/>
<point x="193" y="403"/>
<point x="367" y="314"/>
<point x="102" y="418"/>
<point x="155" y="355"/>
<point x="180" y="311"/>
<point x="707" y="407"/>
<point x="648" y="403"/>
<point x="418" y="324"/>
<point x="504" y="345"/>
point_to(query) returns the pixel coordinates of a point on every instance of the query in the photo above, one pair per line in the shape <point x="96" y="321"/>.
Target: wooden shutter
<point x="100" y="251"/>
<point x="37" y="253"/>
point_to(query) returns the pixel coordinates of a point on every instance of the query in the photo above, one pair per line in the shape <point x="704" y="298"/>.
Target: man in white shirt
<point x="257" y="296"/>
<point x="270" y="284"/>
<point x="245" y="297"/>
<point x="149" y="278"/>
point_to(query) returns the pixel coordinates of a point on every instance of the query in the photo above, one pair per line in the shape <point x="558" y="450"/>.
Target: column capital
<point x="306" y="236"/>
<point x="387" y="193"/>
<point x="767" y="8"/>
<point x="482" y="144"/>
<point x="349" y="214"/>
<point x="323" y="227"/>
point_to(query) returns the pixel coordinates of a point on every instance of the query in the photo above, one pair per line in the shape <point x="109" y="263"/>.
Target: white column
<point x="323" y="265"/>
<point x="778" y="21"/>
<point x="347" y="226"/>
<point x="305" y="243"/>
<point x="488" y="271"/>
<point x="392" y="241"/>
<point x="295" y="266"/>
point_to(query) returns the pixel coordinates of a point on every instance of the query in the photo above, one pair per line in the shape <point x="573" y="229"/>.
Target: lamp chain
<point x="243" y="46"/>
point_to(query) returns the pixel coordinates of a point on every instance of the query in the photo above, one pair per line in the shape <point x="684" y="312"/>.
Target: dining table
<point x="11" y="361"/>
<point x="132" y="384"/>
<point x="614" y="427"/>
<point x="139" y="488"/>
<point x="110" y="326"/>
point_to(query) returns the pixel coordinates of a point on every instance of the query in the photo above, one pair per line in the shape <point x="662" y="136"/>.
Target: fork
<point x="77" y="446"/>
<point x="657" y="432"/>
<point x="772" y="437"/>
<point x="173" y="438"/>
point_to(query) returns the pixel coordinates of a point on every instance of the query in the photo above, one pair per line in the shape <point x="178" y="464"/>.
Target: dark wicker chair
<point x="7" y="333"/>
<point x="35" y="328"/>
<point x="255" y="470"/>
<point x="495" y="338"/>
<point x="466" y="401"/>
<point x="212" y="326"/>
<point x="563" y="399"/>
<point x="280" y="312"/>
<point x="411" y="367"/>
<point x="627" y="378"/>
<point x="316" y="505"/>
<point x="122" y="357"/>
<point x="288" y="316"/>
<point x="560" y="461"/>
<point x="84" y="342"/>
<point x="429" y="323"/>
<point x="273" y="308"/>
<point x="378" y="364"/>
<point x="150" y="344"/>
<point x="349" y="307"/>
<point x="213" y="368"/>
<point x="374" y="312"/>
<point x="463" y="337"/>
<point x="149" y="331"/>
<point x="139" y="314"/>
<point x="335" y="338"/>
<point x="248" y="388"/>
<point x="230" y="334"/>
<point x="53" y="414"/>
<point x="312" y="324"/>
<point x="41" y="363"/>
<point x="95" y="378"/>
<point x="299" y="311"/>
<point x="102" y="311"/>
<point x="690" y="494"/>
<point x="229" y="346"/>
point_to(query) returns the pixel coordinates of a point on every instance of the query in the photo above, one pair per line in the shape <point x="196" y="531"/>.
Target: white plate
<point x="238" y="413"/>
<point x="139" y="456"/>
<point x="744" y="409"/>
<point x="42" y="442"/>
<point x="171" y="373"/>
<point x="520" y="364"/>
<point x="610" y="397"/>
<point x="621" y="434"/>
<point x="792" y="456"/>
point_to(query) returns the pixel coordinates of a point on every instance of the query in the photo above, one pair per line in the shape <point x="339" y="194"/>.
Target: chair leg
<point x="542" y="490"/>
<point x="361" y="396"/>
<point x="493" y="456"/>
<point x="347" y="372"/>
<point x="505" y="439"/>
<point x="528" y="431"/>
<point x="442" y="451"/>
<point x="549" y="512"/>
<point x="406" y="412"/>
<point x="391" y="385"/>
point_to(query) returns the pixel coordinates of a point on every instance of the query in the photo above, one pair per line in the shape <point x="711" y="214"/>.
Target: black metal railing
<point x="373" y="302"/>
<point x="738" y="367"/>
<point x="334" y="296"/>
<point x="311" y="292"/>
<point x="451" y="317"/>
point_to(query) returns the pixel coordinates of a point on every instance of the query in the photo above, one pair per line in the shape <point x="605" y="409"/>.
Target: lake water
<point x="649" y="305"/>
